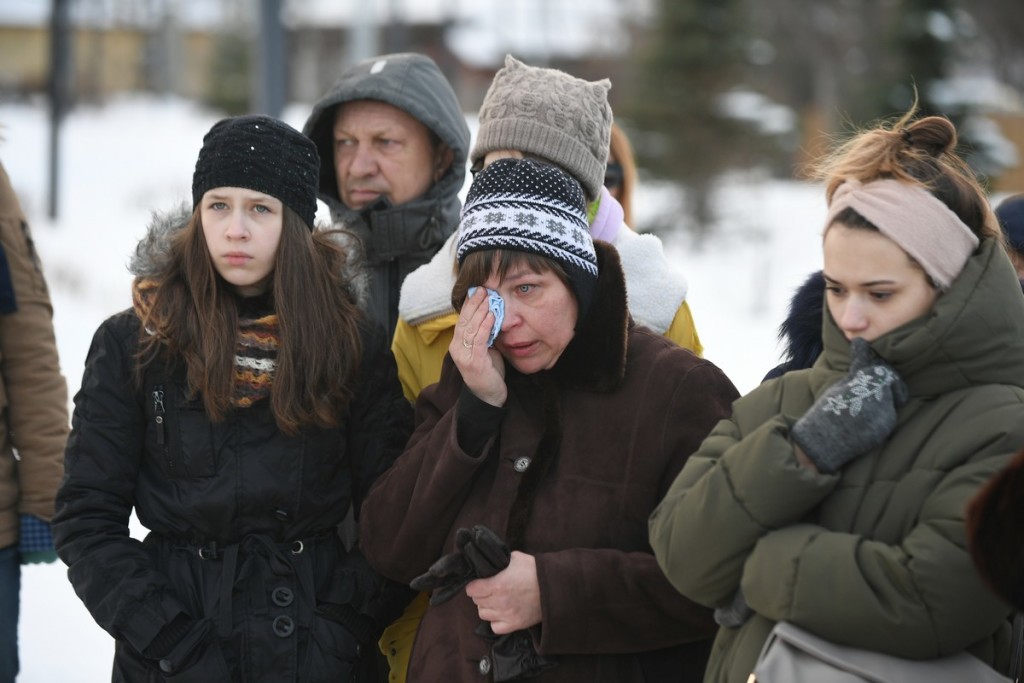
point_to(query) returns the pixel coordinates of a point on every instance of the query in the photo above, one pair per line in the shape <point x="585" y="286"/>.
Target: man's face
<point x="380" y="150"/>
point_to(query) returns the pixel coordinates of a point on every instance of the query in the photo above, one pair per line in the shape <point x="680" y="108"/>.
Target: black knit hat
<point x="527" y="205"/>
<point x="263" y="154"/>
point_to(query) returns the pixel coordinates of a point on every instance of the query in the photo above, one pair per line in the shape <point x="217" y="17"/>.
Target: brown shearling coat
<point x="33" y="393"/>
<point x="606" y="431"/>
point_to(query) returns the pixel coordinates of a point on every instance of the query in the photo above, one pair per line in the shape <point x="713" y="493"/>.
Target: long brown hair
<point x="192" y="317"/>
<point x="622" y="152"/>
<point x="920" y="151"/>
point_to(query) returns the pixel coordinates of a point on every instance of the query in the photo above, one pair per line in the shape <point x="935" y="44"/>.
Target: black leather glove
<point x="480" y="554"/>
<point x="854" y="415"/>
<point x="513" y="654"/>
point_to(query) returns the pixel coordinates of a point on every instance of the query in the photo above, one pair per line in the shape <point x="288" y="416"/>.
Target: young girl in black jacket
<point x="239" y="407"/>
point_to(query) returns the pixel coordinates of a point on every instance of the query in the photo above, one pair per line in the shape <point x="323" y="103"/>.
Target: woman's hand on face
<point x="482" y="368"/>
<point x="509" y="600"/>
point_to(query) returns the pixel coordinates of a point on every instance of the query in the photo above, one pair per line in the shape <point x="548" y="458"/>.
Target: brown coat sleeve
<point x="994" y="532"/>
<point x="33" y="393"/>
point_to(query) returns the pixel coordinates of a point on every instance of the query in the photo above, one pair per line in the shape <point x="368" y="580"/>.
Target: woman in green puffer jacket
<point x="834" y="497"/>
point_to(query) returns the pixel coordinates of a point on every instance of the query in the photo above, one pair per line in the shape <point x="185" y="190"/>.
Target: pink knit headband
<point x="913" y="218"/>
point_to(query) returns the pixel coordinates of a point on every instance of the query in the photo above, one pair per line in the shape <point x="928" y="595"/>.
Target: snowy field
<point x="120" y="162"/>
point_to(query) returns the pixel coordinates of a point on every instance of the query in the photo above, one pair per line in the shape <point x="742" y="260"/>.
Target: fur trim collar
<point x="151" y="252"/>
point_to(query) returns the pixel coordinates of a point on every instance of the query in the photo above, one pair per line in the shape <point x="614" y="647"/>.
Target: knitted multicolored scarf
<point x="256" y="343"/>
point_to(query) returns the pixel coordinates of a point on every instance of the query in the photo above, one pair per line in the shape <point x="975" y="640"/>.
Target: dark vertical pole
<point x="272" y="60"/>
<point x="398" y="34"/>
<point x="60" y="80"/>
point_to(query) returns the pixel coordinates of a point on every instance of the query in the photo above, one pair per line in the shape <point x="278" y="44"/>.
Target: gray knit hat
<point x="551" y="114"/>
<point x="259" y="153"/>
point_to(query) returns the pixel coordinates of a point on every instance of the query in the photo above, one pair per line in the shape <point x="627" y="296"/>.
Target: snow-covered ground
<point x="121" y="161"/>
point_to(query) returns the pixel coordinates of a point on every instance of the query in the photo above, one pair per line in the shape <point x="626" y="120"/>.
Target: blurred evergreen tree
<point x="922" y="40"/>
<point x="844" y="64"/>
<point x="229" y="86"/>
<point x="671" y="100"/>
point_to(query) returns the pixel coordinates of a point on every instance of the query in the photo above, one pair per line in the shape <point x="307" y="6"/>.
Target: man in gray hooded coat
<point x="393" y="145"/>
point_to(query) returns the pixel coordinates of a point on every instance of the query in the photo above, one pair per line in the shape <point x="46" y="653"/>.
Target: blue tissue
<point x="497" y="306"/>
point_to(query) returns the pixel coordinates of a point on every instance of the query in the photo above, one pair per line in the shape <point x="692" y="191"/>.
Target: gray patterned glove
<point x="736" y="613"/>
<point x="854" y="415"/>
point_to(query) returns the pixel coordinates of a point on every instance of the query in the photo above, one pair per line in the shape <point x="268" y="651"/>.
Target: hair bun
<point x="934" y="134"/>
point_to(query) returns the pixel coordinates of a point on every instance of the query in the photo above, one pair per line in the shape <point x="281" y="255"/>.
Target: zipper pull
<point x="158" y="408"/>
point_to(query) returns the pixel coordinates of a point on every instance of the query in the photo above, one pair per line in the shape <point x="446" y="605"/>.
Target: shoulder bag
<point x="792" y="655"/>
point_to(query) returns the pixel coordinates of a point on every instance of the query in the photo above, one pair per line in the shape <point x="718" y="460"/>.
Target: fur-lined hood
<point x="152" y="250"/>
<point x="801" y="330"/>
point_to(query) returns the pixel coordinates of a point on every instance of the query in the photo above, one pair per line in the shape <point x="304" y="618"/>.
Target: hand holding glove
<point x="480" y="554"/>
<point x="35" y="541"/>
<point x="854" y="415"/>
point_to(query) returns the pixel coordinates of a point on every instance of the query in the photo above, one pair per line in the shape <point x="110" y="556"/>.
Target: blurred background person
<point x="1010" y="213"/>
<point x="996" y="534"/>
<point x="33" y="417"/>
<point x="800" y="331"/>
<point x="620" y="174"/>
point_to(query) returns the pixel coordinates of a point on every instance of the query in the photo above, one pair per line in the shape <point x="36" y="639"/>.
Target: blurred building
<point x="206" y="49"/>
<point x="209" y="51"/>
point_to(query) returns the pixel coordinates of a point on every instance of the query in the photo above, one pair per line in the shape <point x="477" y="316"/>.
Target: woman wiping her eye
<point x="538" y="459"/>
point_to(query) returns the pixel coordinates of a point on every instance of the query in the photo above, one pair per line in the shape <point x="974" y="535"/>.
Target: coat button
<point x="281" y="514"/>
<point x="166" y="666"/>
<point x="282" y="597"/>
<point x="283" y="626"/>
<point x="521" y="464"/>
<point x="484" y="667"/>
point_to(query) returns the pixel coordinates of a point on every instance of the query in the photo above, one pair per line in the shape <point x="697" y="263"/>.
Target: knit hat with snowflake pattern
<point x="530" y="206"/>
<point x="550" y="114"/>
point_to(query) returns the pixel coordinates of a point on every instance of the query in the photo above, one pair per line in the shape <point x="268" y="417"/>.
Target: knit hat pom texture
<point x="551" y="114"/>
<point x="263" y="154"/>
